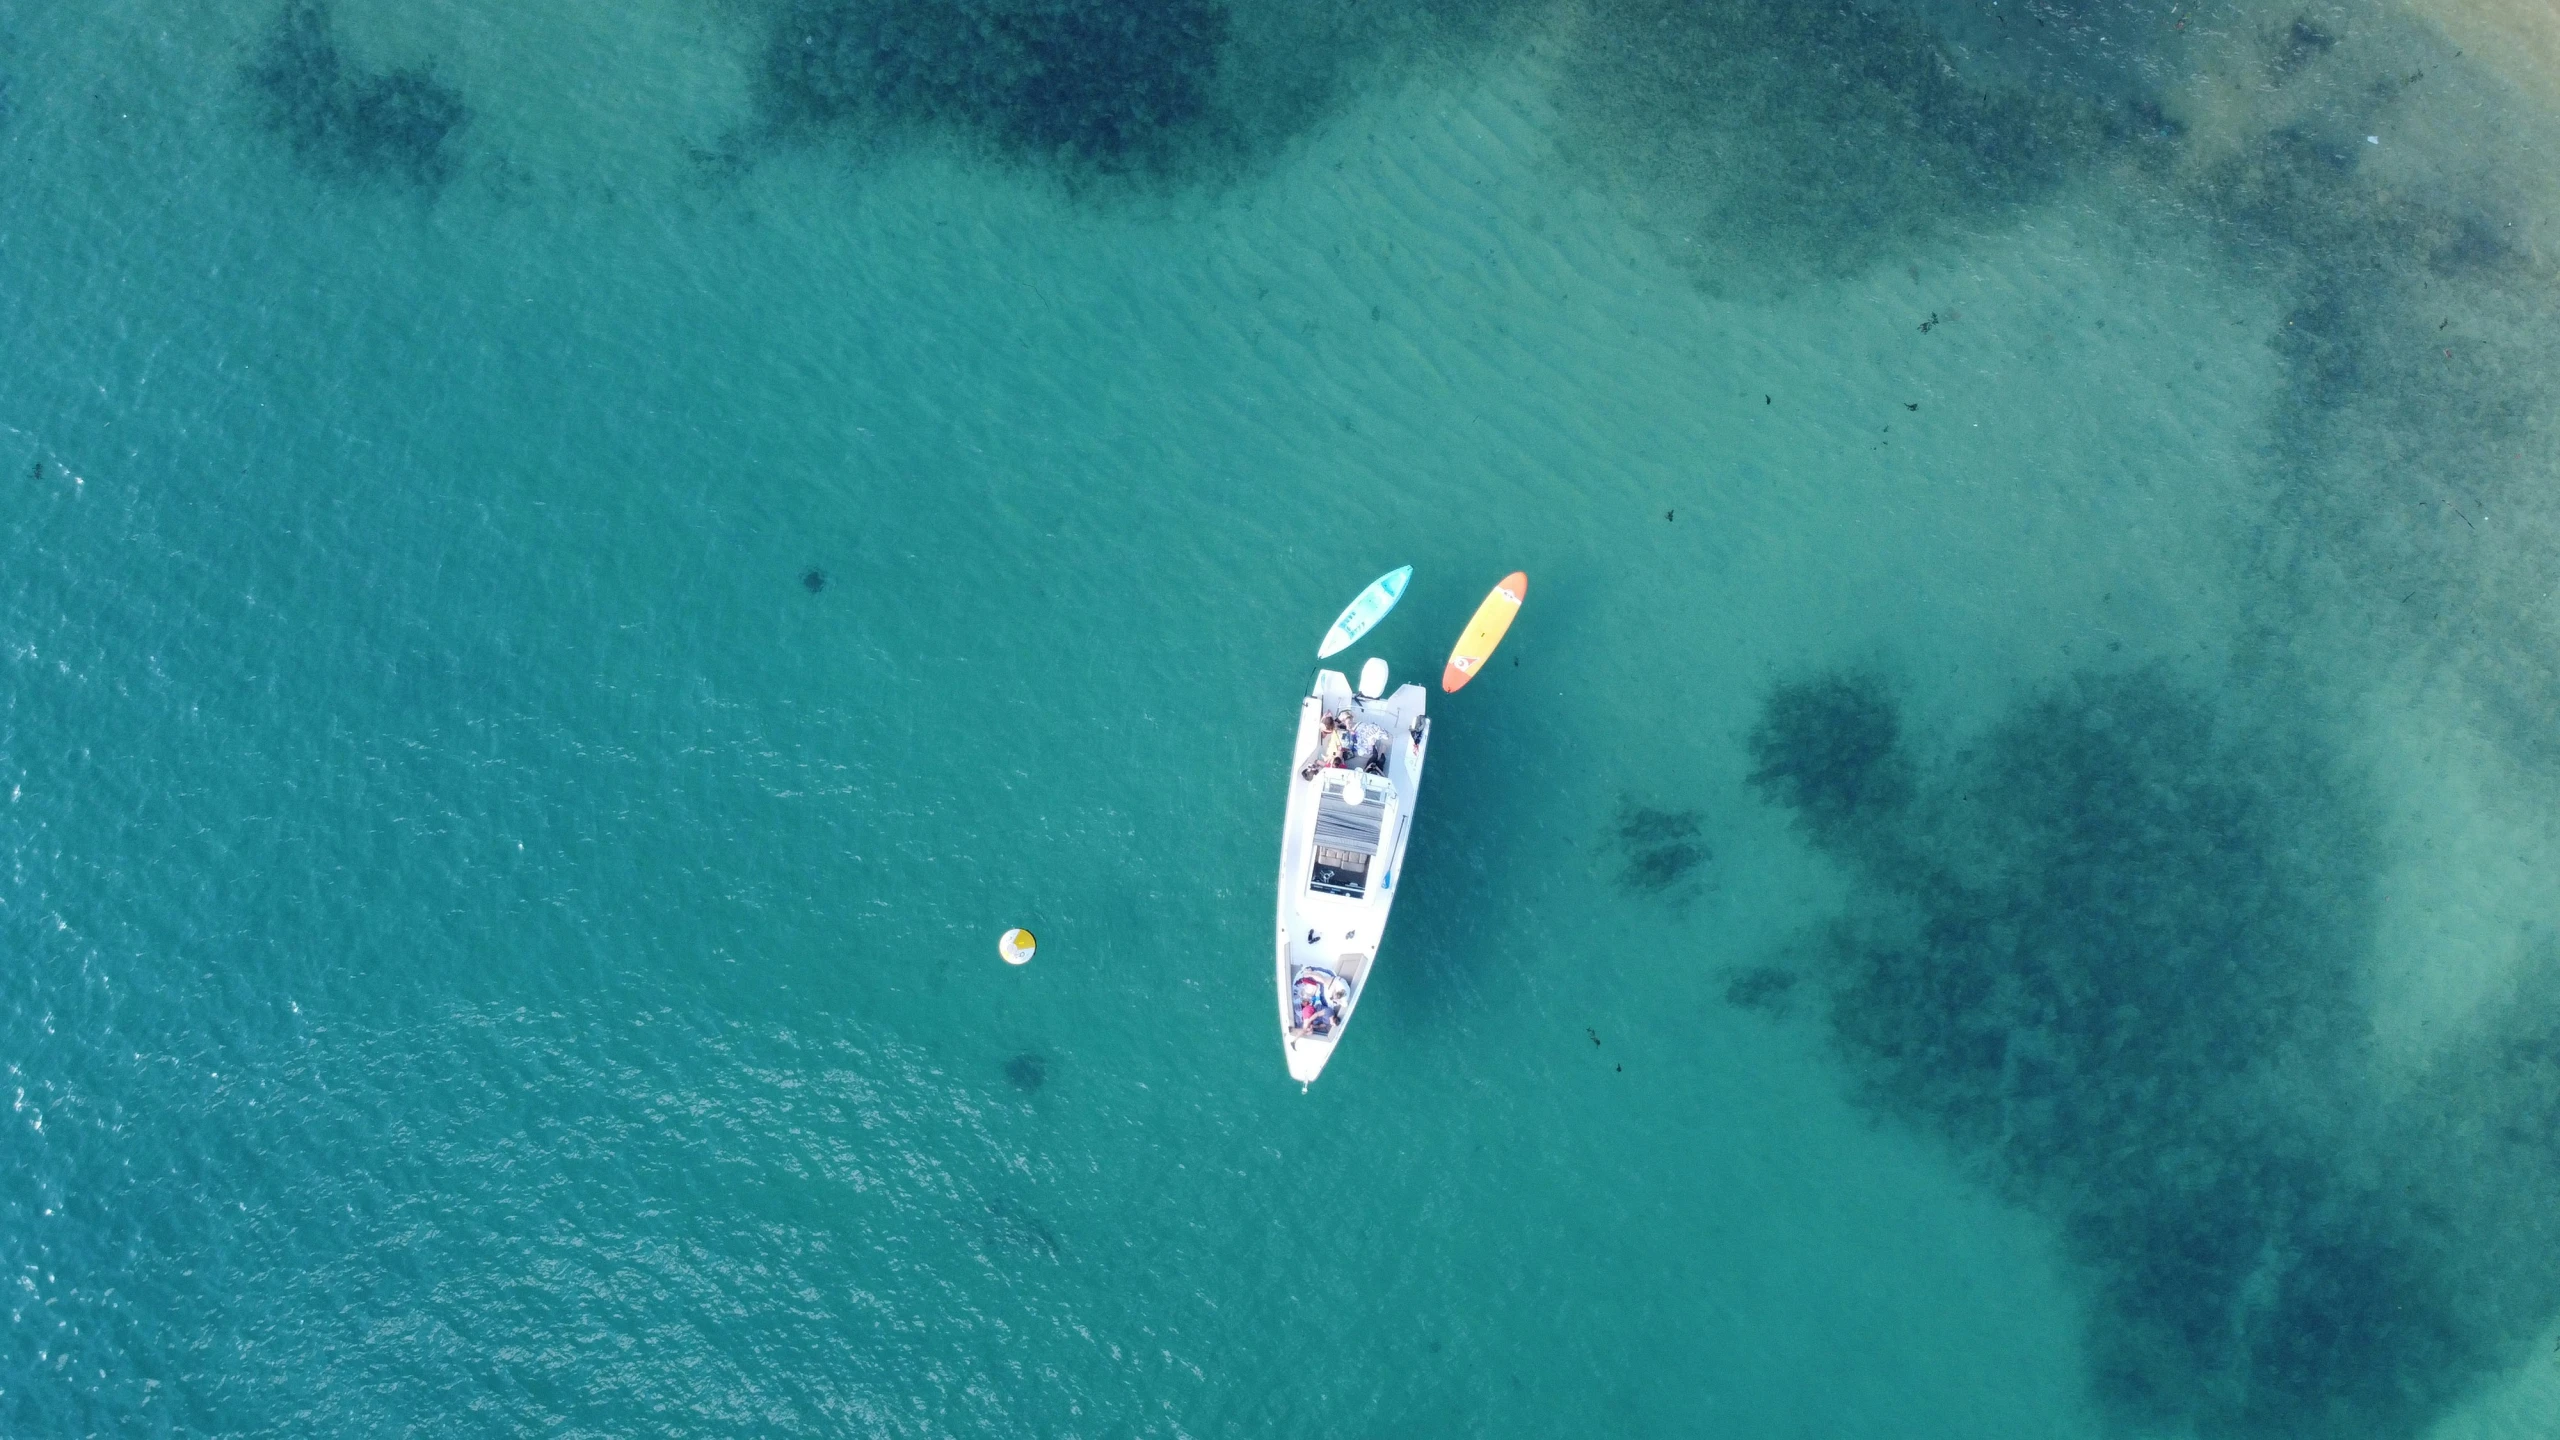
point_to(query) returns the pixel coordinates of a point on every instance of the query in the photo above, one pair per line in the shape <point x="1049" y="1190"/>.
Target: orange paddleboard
<point x="1492" y="622"/>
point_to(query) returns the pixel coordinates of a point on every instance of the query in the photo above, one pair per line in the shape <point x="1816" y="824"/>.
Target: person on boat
<point x="1345" y="735"/>
<point x="1326" y="741"/>
<point x="1369" y="749"/>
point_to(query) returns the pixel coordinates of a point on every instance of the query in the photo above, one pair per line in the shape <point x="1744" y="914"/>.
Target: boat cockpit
<point x="1317" y="999"/>
<point x="1348" y="742"/>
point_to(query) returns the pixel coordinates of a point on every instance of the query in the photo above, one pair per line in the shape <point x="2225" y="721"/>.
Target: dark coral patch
<point x="1662" y="847"/>
<point x="2301" y="43"/>
<point x="2467" y="245"/>
<point x="349" y="123"/>
<point x="1111" y="85"/>
<point x="813" y="580"/>
<point x="1765" y="988"/>
<point x="1793" y="140"/>
<point x="2111" y="906"/>
<point x="2113" y="952"/>
<point x="1010" y="1227"/>
<point x="2416" y="358"/>
<point x="1028" y="1071"/>
<point x="2322" y="345"/>
<point x="1830" y="749"/>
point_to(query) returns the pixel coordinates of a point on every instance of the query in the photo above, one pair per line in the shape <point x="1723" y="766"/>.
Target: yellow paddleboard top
<point x="1492" y="622"/>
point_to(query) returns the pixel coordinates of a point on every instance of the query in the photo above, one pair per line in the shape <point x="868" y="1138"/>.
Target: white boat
<point x="1353" y="780"/>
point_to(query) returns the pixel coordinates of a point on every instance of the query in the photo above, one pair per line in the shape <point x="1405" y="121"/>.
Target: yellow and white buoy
<point x="1017" y="946"/>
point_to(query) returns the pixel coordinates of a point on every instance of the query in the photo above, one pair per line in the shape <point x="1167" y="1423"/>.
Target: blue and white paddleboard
<point x="1368" y="610"/>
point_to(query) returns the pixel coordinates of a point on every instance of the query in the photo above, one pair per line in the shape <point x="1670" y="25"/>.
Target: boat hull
<point x="1349" y="819"/>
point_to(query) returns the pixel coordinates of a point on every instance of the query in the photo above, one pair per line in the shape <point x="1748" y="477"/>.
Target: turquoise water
<point x="568" y="572"/>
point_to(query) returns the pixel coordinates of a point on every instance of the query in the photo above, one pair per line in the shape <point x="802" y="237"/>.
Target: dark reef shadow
<point x="2420" y="359"/>
<point x="1008" y="1228"/>
<point x="1769" y="989"/>
<point x="1769" y="143"/>
<point x="1027" y="1071"/>
<point x="1661" y="850"/>
<point x="385" y="126"/>
<point x="1109" y="98"/>
<point x="1109" y="85"/>
<point x="2113" y="953"/>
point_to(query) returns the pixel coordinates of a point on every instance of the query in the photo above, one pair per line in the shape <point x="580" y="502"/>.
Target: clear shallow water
<point x="492" y="949"/>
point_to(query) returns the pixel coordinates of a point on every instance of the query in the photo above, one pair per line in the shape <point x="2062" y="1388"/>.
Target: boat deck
<point x="1357" y="765"/>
